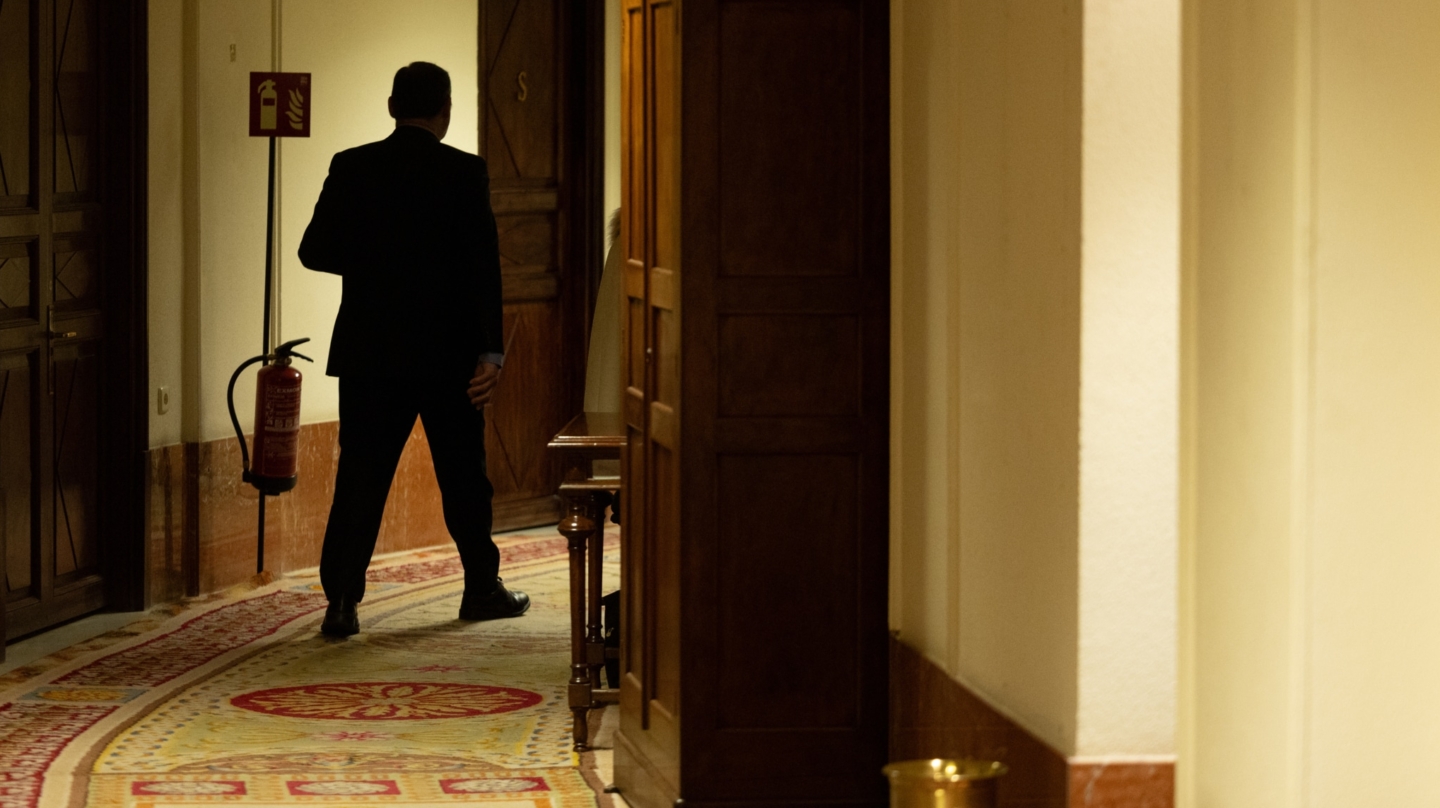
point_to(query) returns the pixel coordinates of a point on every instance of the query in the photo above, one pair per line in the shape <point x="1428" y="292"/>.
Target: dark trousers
<point x="376" y="417"/>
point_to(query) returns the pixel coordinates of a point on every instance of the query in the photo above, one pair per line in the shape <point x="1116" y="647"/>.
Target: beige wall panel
<point x="1375" y="659"/>
<point x="166" y="237"/>
<point x="1246" y="362"/>
<point x="1129" y="378"/>
<point x="986" y="232"/>
<point x="1311" y="645"/>
<point x="226" y="232"/>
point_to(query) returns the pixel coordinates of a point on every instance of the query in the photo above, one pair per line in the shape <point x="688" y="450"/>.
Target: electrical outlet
<point x="162" y="400"/>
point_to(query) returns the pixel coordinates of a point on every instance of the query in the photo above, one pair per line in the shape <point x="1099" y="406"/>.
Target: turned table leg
<point x="577" y="527"/>
<point x="594" y="632"/>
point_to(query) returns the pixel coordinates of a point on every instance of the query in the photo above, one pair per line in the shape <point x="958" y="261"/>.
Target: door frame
<point x="126" y="424"/>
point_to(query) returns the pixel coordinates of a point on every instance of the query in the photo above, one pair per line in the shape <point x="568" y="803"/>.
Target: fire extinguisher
<point x="277" y="420"/>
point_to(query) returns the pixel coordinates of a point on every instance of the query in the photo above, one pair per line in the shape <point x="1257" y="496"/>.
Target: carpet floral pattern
<point x="236" y="699"/>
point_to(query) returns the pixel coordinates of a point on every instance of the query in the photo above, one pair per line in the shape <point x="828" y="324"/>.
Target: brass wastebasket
<point x="944" y="783"/>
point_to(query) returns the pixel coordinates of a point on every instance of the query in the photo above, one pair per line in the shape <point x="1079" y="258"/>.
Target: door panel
<point x="76" y="47"/>
<point x="17" y="60"/>
<point x="17" y="495"/>
<point x="76" y="488"/>
<point x="531" y="100"/>
<point x="17" y="268"/>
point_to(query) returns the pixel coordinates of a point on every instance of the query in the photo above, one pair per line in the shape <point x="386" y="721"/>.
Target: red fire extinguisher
<point x="277" y="420"/>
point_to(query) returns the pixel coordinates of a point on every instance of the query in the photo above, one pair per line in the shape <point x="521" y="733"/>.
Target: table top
<point x="598" y="434"/>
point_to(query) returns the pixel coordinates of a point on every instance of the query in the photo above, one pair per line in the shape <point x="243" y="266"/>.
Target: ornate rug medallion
<point x="387" y="701"/>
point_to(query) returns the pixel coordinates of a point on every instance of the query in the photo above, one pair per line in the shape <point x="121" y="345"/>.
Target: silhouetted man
<point x="406" y="223"/>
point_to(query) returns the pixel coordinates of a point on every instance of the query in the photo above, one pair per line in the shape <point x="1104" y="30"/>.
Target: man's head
<point x="420" y="96"/>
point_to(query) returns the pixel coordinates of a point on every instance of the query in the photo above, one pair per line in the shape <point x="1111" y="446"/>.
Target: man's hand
<point x="482" y="387"/>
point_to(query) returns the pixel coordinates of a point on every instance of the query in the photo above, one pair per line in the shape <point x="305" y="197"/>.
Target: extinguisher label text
<point x="282" y="408"/>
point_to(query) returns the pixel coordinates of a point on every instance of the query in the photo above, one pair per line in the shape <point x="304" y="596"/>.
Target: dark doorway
<point x="541" y="133"/>
<point x="72" y="308"/>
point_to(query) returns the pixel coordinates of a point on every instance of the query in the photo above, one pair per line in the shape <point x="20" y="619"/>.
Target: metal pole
<point x="260" y="546"/>
<point x="265" y="343"/>
<point x="269" y="248"/>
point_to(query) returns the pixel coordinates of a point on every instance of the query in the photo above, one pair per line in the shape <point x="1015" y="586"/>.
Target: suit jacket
<point x="406" y="223"/>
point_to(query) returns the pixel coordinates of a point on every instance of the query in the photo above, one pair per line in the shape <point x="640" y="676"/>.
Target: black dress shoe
<point x="340" y="618"/>
<point x="499" y="603"/>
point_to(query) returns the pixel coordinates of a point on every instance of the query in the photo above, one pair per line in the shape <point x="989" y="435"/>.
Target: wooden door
<point x="649" y="689"/>
<point x="756" y="238"/>
<point x="67" y="285"/>
<point x="539" y="137"/>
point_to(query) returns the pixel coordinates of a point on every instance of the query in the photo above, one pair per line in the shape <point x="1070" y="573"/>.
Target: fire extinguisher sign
<point x="280" y="105"/>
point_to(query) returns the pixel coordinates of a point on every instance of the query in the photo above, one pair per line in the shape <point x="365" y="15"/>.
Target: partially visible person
<point x="603" y="387"/>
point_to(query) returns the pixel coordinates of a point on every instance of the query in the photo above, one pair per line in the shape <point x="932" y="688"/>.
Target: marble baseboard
<point x="932" y="715"/>
<point x="1127" y="784"/>
<point x="169" y="529"/>
<point x="202" y="519"/>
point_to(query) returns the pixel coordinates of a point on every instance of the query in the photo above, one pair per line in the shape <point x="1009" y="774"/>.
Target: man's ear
<point x="390" y="105"/>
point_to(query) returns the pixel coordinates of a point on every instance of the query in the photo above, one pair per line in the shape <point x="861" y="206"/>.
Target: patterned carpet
<point x="236" y="699"/>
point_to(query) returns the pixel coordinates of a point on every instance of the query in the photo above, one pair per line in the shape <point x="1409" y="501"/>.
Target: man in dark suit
<point x="406" y="223"/>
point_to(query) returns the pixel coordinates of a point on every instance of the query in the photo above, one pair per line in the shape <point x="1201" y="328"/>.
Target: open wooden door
<point x="650" y="329"/>
<point x="540" y="136"/>
<point x="756" y="530"/>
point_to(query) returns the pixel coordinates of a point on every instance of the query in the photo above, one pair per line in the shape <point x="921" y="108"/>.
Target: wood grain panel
<point x="774" y="503"/>
<point x="634" y="340"/>
<point x="518" y="419"/>
<point x="16" y="76"/>
<point x="789" y="365"/>
<point x="76" y="402"/>
<point x="521" y="134"/>
<point x="790" y="138"/>
<point x="17" y="400"/>
<point x="664" y="677"/>
<point x="529" y="284"/>
<point x="527" y="240"/>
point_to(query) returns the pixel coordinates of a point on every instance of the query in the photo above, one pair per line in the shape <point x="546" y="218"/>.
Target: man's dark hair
<point x="419" y="91"/>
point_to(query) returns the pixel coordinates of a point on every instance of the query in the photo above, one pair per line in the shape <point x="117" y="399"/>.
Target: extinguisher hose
<point x="235" y="419"/>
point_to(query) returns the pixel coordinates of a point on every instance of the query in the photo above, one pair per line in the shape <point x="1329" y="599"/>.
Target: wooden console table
<point x="588" y="437"/>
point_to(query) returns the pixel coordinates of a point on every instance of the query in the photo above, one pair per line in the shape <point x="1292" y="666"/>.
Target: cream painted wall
<point x="228" y="232"/>
<point x="353" y="57"/>
<point x="1129" y="373"/>
<point x="1035" y="193"/>
<point x="924" y="174"/>
<point x="207" y="194"/>
<point x="206" y="205"/>
<point x="1019" y="331"/>
<point x="1312" y="650"/>
<point x="1375" y="620"/>
<point x="166" y="217"/>
<point x="986" y="232"/>
<point x="614" y="22"/>
<point x="1246" y="392"/>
